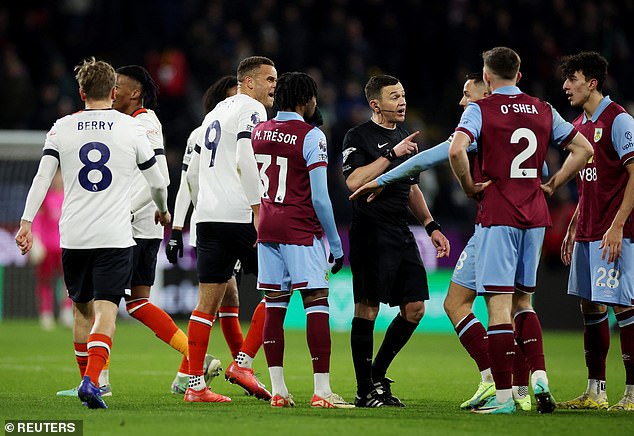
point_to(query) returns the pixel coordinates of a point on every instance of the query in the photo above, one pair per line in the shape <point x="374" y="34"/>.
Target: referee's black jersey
<point x="362" y="145"/>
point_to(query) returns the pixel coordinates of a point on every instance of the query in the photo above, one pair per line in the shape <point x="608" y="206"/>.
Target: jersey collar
<point x="286" y="116"/>
<point x="602" y="105"/>
<point x="507" y="90"/>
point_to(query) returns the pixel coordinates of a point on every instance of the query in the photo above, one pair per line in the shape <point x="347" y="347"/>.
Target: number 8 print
<point x="91" y="166"/>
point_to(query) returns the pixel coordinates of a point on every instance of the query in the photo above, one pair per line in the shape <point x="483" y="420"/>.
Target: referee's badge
<point x="598" y="132"/>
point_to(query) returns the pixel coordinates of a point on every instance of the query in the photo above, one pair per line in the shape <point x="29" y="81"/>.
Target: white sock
<point x="196" y="382"/>
<point x="596" y="388"/>
<point x="103" y="377"/>
<point x="503" y="395"/>
<point x="181" y="375"/>
<point x="519" y="392"/>
<point x="278" y="386"/>
<point x="629" y="390"/>
<point x="244" y="360"/>
<point x="486" y="375"/>
<point x="322" y="384"/>
<point x="540" y="374"/>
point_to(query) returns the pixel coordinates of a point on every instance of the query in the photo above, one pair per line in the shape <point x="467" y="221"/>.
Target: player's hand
<point x="441" y="243"/>
<point x="548" y="189"/>
<point x="611" y="243"/>
<point x="162" y="217"/>
<point x="566" y="248"/>
<point x="24" y="237"/>
<point x="372" y="187"/>
<point x="476" y="190"/>
<point x="337" y="263"/>
<point x="406" y="146"/>
<point x="174" y="247"/>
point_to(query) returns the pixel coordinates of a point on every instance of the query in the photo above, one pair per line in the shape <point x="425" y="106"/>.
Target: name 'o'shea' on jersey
<point x="285" y="158"/>
<point x="143" y="225"/>
<point x="601" y="183"/>
<point x="513" y="137"/>
<point x="99" y="152"/>
<point x="221" y="196"/>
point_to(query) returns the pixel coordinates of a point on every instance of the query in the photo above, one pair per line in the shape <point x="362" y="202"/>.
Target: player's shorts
<point x="464" y="271"/>
<point x="596" y="280"/>
<point x="507" y="258"/>
<point x="288" y="267"/>
<point x="144" y="262"/>
<point x="386" y="265"/>
<point x="220" y="245"/>
<point x="97" y="273"/>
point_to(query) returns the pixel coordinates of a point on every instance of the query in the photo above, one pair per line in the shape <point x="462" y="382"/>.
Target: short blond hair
<point x="95" y="78"/>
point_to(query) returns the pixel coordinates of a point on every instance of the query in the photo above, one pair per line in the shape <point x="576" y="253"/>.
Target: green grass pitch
<point x="433" y="376"/>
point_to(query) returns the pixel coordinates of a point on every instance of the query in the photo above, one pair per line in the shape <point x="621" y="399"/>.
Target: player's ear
<point x="519" y="76"/>
<point x="375" y="106"/>
<point x="113" y="93"/>
<point x="82" y="94"/>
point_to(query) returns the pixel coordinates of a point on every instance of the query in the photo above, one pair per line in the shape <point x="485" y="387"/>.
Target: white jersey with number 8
<point x="98" y="152"/>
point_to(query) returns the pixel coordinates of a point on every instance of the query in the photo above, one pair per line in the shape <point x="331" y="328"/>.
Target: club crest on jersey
<point x="598" y="132"/>
<point x="255" y="118"/>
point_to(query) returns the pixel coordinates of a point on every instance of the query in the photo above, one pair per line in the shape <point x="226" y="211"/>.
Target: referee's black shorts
<point x="386" y="265"/>
<point x="97" y="273"/>
<point x="220" y="245"/>
<point x="144" y="262"/>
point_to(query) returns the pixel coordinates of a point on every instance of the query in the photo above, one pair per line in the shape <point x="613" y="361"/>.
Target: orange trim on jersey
<point x="139" y="111"/>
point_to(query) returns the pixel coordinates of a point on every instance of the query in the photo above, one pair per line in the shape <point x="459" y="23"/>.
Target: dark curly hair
<point x="149" y="89"/>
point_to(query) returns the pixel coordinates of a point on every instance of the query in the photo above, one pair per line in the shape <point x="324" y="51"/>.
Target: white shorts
<point x="596" y="280"/>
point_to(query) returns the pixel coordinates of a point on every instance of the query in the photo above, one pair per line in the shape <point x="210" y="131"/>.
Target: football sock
<point x="253" y="340"/>
<point x="98" y="351"/>
<point x="528" y="335"/>
<point x="626" y="326"/>
<point x="244" y="360"/>
<point x="596" y="388"/>
<point x="501" y="354"/>
<point x="318" y="334"/>
<point x="184" y="368"/>
<point x="198" y="330"/>
<point x="278" y="385"/>
<point x="596" y="343"/>
<point x="159" y="322"/>
<point x="520" y="392"/>
<point x="196" y="382"/>
<point x="503" y="395"/>
<point x="274" y="329"/>
<point x="538" y="375"/>
<point x="81" y="356"/>
<point x="473" y="338"/>
<point x="104" y="375"/>
<point x="521" y="371"/>
<point x="231" y="329"/>
<point x="629" y="389"/>
<point x="361" y="344"/>
<point x="322" y="384"/>
<point x="486" y="376"/>
<point x="396" y="336"/>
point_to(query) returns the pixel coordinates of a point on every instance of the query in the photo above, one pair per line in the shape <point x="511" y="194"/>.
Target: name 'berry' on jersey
<point x="98" y="152"/>
<point x="516" y="132"/>
<point x="601" y="183"/>
<point x="286" y="210"/>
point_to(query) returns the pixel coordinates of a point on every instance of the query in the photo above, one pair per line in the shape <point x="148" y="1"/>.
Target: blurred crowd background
<point x="429" y="45"/>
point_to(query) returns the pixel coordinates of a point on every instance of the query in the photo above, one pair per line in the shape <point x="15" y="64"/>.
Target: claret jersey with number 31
<point x="98" y="151"/>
